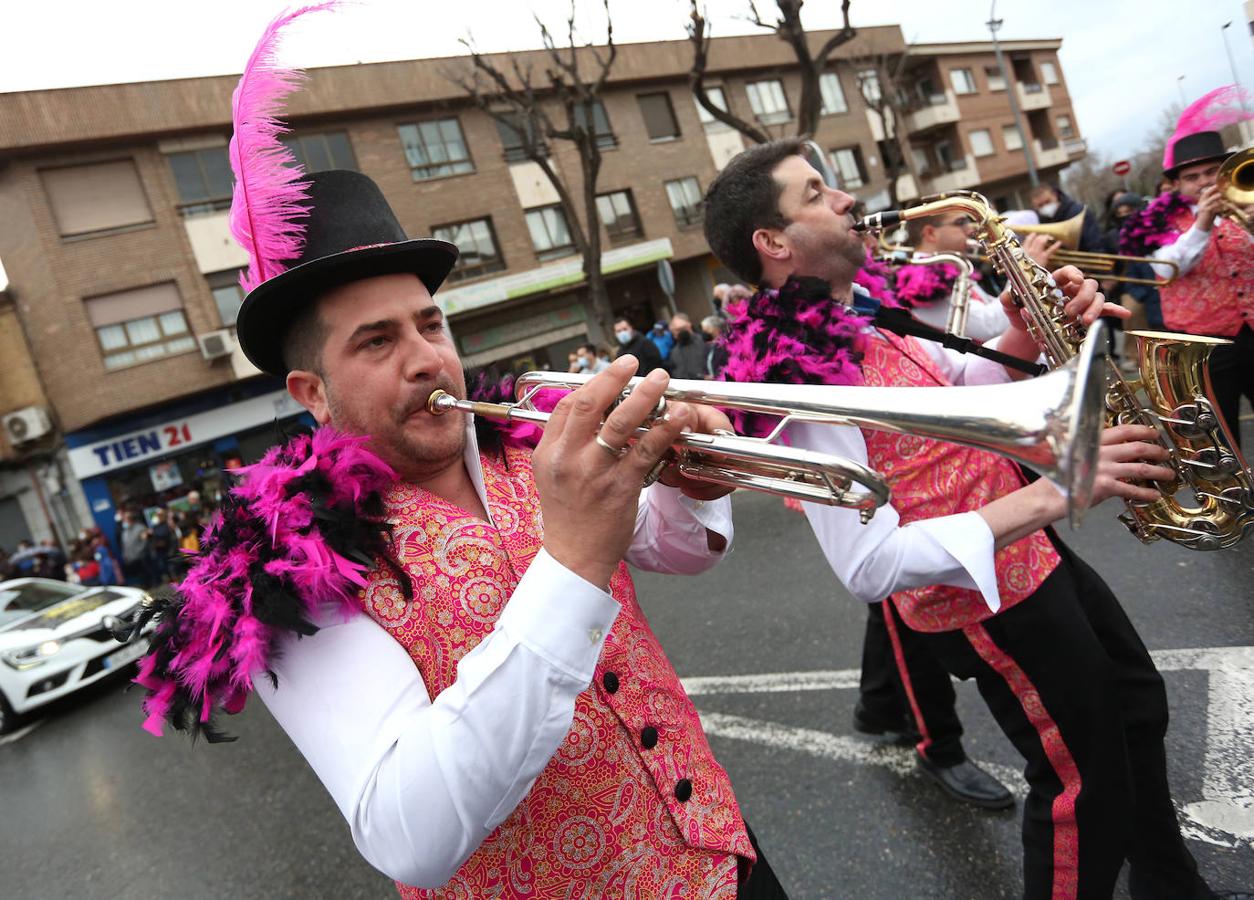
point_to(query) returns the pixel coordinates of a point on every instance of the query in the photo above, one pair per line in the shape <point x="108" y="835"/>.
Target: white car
<point x="55" y="639"/>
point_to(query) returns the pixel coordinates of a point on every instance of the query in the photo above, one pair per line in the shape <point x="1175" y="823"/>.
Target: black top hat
<point x="1194" y="148"/>
<point x="351" y="233"/>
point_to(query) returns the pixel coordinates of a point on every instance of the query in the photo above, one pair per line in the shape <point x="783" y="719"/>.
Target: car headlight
<point x="29" y="657"/>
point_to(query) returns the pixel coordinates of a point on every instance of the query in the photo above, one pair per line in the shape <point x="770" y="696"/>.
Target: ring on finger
<point x="615" y="452"/>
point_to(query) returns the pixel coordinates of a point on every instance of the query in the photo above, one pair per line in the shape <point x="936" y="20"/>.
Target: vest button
<point x="648" y="737"/>
<point x="683" y="790"/>
<point x="610" y="681"/>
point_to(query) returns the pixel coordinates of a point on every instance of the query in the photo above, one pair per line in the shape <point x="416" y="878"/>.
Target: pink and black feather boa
<point x="923" y="285"/>
<point x="798" y="334"/>
<point x="301" y="528"/>
<point x="877" y="278"/>
<point x="1153" y="227"/>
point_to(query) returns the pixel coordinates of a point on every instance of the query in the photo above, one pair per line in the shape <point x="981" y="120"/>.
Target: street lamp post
<point x="994" y="24"/>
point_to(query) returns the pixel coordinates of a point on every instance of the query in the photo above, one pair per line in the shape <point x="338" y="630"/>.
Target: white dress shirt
<point x="986" y="319"/>
<point x="423" y="783"/>
<point x="1185" y="252"/>
<point x="882" y="557"/>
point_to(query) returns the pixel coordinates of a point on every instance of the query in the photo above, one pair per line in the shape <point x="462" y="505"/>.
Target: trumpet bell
<point x="1065" y="233"/>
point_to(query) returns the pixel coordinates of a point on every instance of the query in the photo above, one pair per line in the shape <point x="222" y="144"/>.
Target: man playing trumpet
<point x="965" y="553"/>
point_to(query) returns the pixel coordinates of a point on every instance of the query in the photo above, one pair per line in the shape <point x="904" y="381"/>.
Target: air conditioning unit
<point x="27" y="424"/>
<point x="217" y="344"/>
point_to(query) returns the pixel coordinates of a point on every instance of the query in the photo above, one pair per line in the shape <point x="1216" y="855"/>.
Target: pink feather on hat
<point x="267" y="203"/>
<point x="1218" y="109"/>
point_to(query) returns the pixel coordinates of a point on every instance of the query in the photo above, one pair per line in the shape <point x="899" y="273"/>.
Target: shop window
<point x="618" y="214"/>
<point x="96" y="198"/>
<point x="832" y="93"/>
<point x="550" y="235"/>
<point x="600" y="125"/>
<point x="981" y="142"/>
<point x="719" y="99"/>
<point x="227" y="294"/>
<point x="962" y="80"/>
<point x="141" y="325"/>
<point x="323" y="151"/>
<point x="685" y="197"/>
<point x="848" y="163"/>
<point x="203" y="178"/>
<point x="768" y="101"/>
<point x="511" y="131"/>
<point x="435" y="149"/>
<point x="476" y="243"/>
<point x="659" y="116"/>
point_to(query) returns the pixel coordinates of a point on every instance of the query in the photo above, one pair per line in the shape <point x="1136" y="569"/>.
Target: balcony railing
<point x="931" y="112"/>
<point x="1032" y="95"/>
<point x="1075" y="147"/>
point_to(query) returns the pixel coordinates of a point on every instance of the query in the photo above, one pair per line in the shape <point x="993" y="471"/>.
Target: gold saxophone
<point x="1210" y="503"/>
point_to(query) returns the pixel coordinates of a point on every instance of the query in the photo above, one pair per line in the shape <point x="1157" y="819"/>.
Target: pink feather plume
<point x="268" y="200"/>
<point x="1220" y="108"/>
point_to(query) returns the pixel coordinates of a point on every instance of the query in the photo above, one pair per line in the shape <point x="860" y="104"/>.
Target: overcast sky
<point x="1121" y="58"/>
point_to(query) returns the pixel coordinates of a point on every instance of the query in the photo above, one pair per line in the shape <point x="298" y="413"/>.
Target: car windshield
<point x="19" y="600"/>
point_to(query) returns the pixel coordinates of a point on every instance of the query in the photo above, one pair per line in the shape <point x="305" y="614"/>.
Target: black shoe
<point x="969" y="783"/>
<point x="896" y="729"/>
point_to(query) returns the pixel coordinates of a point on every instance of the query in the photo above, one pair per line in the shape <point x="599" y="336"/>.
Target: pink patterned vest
<point x="933" y="478"/>
<point x="1216" y="297"/>
<point x="603" y="819"/>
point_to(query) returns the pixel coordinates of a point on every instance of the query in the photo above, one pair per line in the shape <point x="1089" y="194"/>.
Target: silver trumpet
<point x="1051" y="424"/>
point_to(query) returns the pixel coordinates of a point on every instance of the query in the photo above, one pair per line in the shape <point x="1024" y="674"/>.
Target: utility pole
<point x="1012" y="85"/>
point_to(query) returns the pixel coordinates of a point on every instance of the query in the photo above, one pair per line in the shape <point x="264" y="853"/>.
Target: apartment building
<point x="124" y="278"/>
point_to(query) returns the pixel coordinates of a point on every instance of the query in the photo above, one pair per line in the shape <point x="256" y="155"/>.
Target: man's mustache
<point x="417" y="401"/>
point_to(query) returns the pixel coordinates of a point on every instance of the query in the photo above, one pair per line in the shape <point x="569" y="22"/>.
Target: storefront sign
<point x="148" y="444"/>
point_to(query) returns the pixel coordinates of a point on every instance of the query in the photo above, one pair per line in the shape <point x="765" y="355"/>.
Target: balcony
<point x="960" y="175"/>
<point x="1032" y="95"/>
<point x="1075" y="147"/>
<point x="937" y="110"/>
<point x="1049" y="153"/>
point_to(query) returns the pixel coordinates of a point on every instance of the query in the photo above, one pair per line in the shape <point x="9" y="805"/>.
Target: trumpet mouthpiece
<point x="441" y="402"/>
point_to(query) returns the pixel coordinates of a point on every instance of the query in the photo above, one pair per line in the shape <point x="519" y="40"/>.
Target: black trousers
<point x="1070" y="683"/>
<point x="760" y="882"/>
<point x="1232" y="375"/>
<point x="902" y="678"/>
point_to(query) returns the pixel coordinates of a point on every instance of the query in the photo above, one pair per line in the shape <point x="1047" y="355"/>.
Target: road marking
<point x="1224" y="815"/>
<point x="15" y="736"/>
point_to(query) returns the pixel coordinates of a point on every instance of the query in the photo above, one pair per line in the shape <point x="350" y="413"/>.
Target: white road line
<point x="15" y="736"/>
<point x="1224" y="815"/>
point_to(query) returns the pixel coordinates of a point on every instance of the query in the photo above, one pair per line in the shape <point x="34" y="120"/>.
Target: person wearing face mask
<point x="688" y="358"/>
<point x="589" y="361"/>
<point x="638" y="345"/>
<point x="1053" y="206"/>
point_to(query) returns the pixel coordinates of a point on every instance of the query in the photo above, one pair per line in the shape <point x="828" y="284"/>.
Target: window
<point x="618" y="214"/>
<point x="435" y="149"/>
<point x="600" y="124"/>
<point x="719" y="99"/>
<point x="476" y="241"/>
<point x="993" y="76"/>
<point x="1065" y="129"/>
<point x="767" y="100"/>
<point x="981" y="142"/>
<point x="948" y="161"/>
<point x="833" y="95"/>
<point x="962" y="80"/>
<point x="1049" y="73"/>
<point x="1010" y="137"/>
<point x="96" y="197"/>
<point x="685" y="197"/>
<point x="227" y="294"/>
<point x="848" y="163"/>
<point x="659" y="116"/>
<point x="319" y="152"/>
<point x="139" y="326"/>
<point x="550" y="234"/>
<point x="869" y="85"/>
<point x="511" y="131"/>
<point x="922" y="164"/>
<point x="204" y="180"/>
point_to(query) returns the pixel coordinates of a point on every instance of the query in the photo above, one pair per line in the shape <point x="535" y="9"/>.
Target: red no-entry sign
<point x="1123" y="167"/>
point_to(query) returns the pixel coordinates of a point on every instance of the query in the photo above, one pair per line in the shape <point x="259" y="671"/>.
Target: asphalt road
<point x="93" y="807"/>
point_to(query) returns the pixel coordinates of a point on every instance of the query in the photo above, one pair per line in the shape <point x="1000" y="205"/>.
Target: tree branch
<point x="699" y="37"/>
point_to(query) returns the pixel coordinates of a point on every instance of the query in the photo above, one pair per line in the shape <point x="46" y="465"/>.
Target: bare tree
<point x="787" y="28"/>
<point x="559" y="104"/>
<point x="880" y="77"/>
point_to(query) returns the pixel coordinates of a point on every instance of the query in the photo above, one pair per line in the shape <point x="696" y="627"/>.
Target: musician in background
<point x="1214" y="291"/>
<point x="1053" y="205"/>
<point x="928" y="289"/>
<point x="964" y="552"/>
